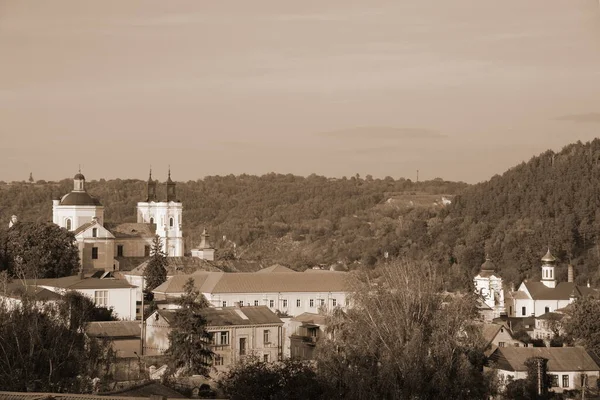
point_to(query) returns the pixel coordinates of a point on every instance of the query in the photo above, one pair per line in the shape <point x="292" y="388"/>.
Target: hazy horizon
<point x="459" y="90"/>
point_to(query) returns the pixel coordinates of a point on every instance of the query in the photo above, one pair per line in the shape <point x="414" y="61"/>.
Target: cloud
<point x="587" y="118"/>
<point x="383" y="132"/>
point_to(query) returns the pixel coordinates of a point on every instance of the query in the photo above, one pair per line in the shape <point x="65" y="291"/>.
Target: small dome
<point x="79" y="176"/>
<point x="79" y="199"/>
<point x="488" y="265"/>
<point x="549" y="258"/>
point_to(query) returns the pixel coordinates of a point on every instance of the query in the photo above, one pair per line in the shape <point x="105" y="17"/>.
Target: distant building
<point x="124" y="335"/>
<point x="102" y="245"/>
<point x="279" y="288"/>
<point x="304" y="332"/>
<point x="568" y="366"/>
<point x="236" y="332"/>
<point x="488" y="285"/>
<point x="537" y="298"/>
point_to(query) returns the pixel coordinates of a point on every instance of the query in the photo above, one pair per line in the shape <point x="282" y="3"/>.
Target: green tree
<point x="40" y="250"/>
<point x="156" y="269"/>
<point x="189" y="342"/>
<point x="253" y="379"/>
<point x="529" y="388"/>
<point x="43" y="347"/>
<point x="583" y="323"/>
<point x="403" y="340"/>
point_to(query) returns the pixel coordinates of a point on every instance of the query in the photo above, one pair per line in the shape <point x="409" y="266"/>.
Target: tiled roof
<point x="179" y="266"/>
<point x="516" y="323"/>
<point x="276" y="268"/>
<point x="16" y="290"/>
<point x="489" y="332"/>
<point x="83" y="227"/>
<point x="559" y="358"/>
<point x="131" y="230"/>
<point x="79" y="199"/>
<point x="552" y="316"/>
<point x="229" y="316"/>
<point x="562" y="291"/>
<point x="250" y="282"/>
<point x="127" y="264"/>
<point x="75" y="282"/>
<point x="114" y="329"/>
<point x="310" y="318"/>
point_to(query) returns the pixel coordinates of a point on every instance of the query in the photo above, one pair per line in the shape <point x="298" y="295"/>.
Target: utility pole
<point x="143" y="320"/>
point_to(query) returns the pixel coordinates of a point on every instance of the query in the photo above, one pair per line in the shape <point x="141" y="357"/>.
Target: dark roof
<point x="251" y="282"/>
<point x="75" y="282"/>
<point x="488" y="265"/>
<point x="131" y="230"/>
<point x="516" y="323"/>
<point x="79" y="176"/>
<point x="549" y="258"/>
<point x="230" y="316"/>
<point x="16" y="290"/>
<point x="552" y="316"/>
<point x="79" y="199"/>
<point x="114" y="329"/>
<point x="559" y="358"/>
<point x="562" y="291"/>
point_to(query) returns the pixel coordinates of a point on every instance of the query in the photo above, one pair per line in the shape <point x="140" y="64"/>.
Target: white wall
<point x="162" y="212"/>
<point x="79" y="215"/>
<point x="122" y="300"/>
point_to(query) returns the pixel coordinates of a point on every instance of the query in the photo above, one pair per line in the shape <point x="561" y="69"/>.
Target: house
<point x="101" y="244"/>
<point x="547" y="295"/>
<point x="236" y="332"/>
<point x="108" y="292"/>
<point x="497" y="335"/>
<point x="549" y="325"/>
<point x="289" y="292"/>
<point x="13" y="293"/>
<point x="566" y="365"/>
<point x="124" y="335"/>
<point x="303" y="332"/>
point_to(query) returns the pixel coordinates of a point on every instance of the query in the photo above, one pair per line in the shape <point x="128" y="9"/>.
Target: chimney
<point x="571" y="273"/>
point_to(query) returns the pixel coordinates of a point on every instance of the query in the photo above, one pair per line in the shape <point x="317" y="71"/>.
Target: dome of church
<point x="79" y="176"/>
<point x="488" y="265"/>
<point x="548" y="257"/>
<point x="79" y="199"/>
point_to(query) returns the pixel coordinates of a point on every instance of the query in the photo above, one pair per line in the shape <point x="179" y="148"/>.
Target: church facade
<point x="103" y="245"/>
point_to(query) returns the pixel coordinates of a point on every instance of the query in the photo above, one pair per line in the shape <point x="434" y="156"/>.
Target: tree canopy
<point x="38" y="250"/>
<point x="156" y="271"/>
<point x="189" y="343"/>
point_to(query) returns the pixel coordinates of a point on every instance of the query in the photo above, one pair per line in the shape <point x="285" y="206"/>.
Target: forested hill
<point x="298" y="221"/>
<point x="552" y="200"/>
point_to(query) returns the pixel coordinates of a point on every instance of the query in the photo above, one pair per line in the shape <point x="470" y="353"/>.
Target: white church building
<point x="102" y="245"/>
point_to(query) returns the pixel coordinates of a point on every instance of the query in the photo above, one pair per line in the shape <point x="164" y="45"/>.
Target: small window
<point x="255" y="303"/>
<point x="334" y="302"/>
<point x="225" y="303"/>
<point x="242" y="346"/>
<point x="271" y="303"/>
<point x="554" y="380"/>
<point x="565" y="381"/>
<point x="298" y="303"/>
<point x="171" y="222"/>
<point x="547" y="309"/>
<point x="94" y="232"/>
<point x="120" y="250"/>
<point x="146" y="251"/>
<point x="284" y="303"/>
<point x="523" y="311"/>
<point x="218" y="360"/>
<point x="266" y="338"/>
<point x="224" y="338"/>
<point x="501" y="344"/>
<point x="101" y="298"/>
<point x="266" y="358"/>
<point x="321" y="302"/>
<point x="68" y="224"/>
<point x="151" y="220"/>
<point x="241" y="303"/>
<point x="311" y="302"/>
<point x="94" y="253"/>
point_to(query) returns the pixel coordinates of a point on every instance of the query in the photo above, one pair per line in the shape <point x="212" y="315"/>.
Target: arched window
<point x="171" y="222"/>
<point x="68" y="224"/>
<point x="151" y="220"/>
<point x="94" y="232"/>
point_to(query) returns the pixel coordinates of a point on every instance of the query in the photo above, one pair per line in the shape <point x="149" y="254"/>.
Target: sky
<point x="460" y="89"/>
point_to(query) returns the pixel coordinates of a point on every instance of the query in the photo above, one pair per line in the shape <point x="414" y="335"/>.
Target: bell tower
<point x="171" y="188"/>
<point x="151" y="188"/>
<point x="548" y="277"/>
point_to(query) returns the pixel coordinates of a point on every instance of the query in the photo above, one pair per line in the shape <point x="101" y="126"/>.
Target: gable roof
<point x="131" y="230"/>
<point x="310" y="318"/>
<point x="559" y="358"/>
<point x="251" y="282"/>
<point x="75" y="282"/>
<point x="232" y="316"/>
<point x="490" y="331"/>
<point x="16" y="290"/>
<point x="114" y="329"/>
<point x="562" y="291"/>
<point x="276" y="268"/>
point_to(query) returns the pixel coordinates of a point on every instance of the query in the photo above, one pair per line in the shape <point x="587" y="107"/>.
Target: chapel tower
<point x="548" y="276"/>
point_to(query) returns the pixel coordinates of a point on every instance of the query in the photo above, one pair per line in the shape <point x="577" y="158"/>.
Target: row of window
<point x="284" y="303"/>
<point x="222" y="338"/>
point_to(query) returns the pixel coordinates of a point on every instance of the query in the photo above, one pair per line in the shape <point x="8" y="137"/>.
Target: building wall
<point x="122" y="300"/>
<point x="105" y="260"/>
<point x="277" y="300"/>
<point x="133" y="247"/>
<point x="161" y="213"/>
<point x="574" y="378"/>
<point x="126" y="348"/>
<point x="503" y="336"/>
<point x="79" y="215"/>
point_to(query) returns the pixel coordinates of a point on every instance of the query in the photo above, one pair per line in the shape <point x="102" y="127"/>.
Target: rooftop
<point x="114" y="329"/>
<point x="231" y="316"/>
<point x="75" y="282"/>
<point x="562" y="291"/>
<point x="131" y="230"/>
<point x="559" y="358"/>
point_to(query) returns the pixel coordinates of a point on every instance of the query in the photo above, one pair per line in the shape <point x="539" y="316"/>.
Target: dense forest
<point x="552" y="200"/>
